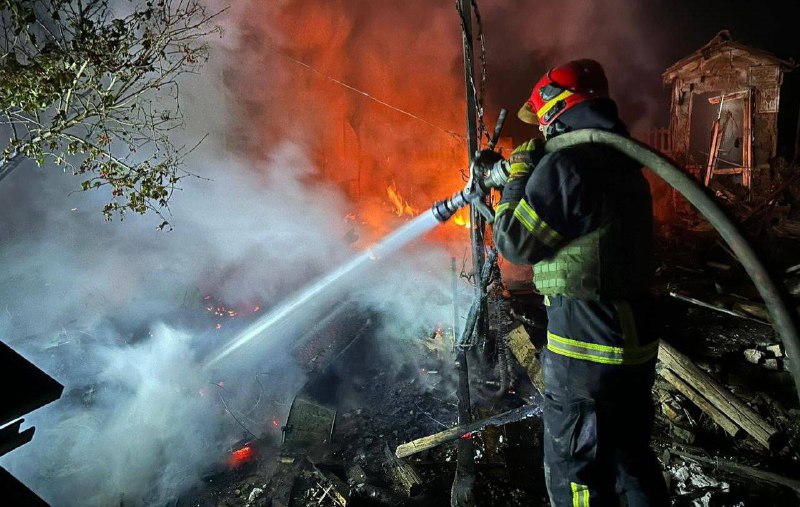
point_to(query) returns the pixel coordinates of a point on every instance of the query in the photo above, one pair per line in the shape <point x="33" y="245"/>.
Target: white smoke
<point x="114" y="311"/>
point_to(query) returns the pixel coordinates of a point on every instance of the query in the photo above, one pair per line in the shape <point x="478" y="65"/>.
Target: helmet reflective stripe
<point x="542" y="112"/>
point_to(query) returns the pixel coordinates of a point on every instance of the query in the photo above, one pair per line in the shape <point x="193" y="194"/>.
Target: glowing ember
<point x="275" y="423"/>
<point x="217" y="309"/>
<point x="401" y="206"/>
<point x="241" y="456"/>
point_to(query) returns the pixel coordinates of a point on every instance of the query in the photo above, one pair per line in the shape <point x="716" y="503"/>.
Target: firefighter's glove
<point x="524" y="159"/>
<point x="486" y="159"/>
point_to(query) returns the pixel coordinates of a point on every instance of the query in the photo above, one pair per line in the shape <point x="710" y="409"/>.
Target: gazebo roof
<point x="724" y="42"/>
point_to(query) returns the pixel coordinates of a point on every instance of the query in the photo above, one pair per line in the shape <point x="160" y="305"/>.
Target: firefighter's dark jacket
<point x="582" y="216"/>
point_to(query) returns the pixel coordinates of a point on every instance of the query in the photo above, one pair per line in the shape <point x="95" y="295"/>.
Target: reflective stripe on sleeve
<point x="503" y="206"/>
<point x="536" y="225"/>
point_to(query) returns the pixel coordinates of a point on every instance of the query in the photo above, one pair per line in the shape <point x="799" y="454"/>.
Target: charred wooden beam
<point x="718" y="396"/>
<point x="404" y="476"/>
<point x="716" y="414"/>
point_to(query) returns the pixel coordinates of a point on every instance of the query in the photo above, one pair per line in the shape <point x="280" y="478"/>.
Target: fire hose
<point x="782" y="316"/>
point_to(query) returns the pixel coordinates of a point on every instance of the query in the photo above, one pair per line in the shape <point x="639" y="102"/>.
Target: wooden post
<point x="462" y="491"/>
<point x="454" y="281"/>
<point x="477" y="222"/>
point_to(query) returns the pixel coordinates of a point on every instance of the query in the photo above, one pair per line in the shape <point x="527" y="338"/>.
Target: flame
<point x="401" y="206"/>
<point x="462" y="219"/>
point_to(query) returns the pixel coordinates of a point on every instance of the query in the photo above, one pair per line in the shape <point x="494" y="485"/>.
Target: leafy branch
<point x="96" y="91"/>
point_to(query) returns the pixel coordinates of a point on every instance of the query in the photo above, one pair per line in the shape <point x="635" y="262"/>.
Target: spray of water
<point x="330" y="283"/>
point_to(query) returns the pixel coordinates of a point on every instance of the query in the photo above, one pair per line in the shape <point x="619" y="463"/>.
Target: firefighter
<point x="582" y="217"/>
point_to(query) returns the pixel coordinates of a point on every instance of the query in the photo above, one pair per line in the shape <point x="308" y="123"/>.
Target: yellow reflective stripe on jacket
<point x="536" y="225"/>
<point x="580" y="495"/>
<point x="604" y="354"/>
<point x="503" y="207"/>
<point x="549" y="104"/>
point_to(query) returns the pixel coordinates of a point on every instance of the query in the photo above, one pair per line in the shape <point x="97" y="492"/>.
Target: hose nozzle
<point x="443" y="210"/>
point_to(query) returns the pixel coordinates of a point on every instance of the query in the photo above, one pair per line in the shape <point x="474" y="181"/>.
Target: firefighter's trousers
<point x="598" y="410"/>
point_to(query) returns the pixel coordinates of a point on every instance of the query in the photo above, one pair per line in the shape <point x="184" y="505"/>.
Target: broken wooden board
<point x="403" y="475"/>
<point x="519" y="341"/>
<point x="716" y="415"/>
<point x="456" y="432"/>
<point x="717" y="395"/>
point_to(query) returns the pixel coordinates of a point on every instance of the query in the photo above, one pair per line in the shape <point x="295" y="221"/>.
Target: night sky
<point x="678" y="28"/>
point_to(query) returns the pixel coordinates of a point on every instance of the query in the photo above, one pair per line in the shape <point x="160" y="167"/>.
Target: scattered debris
<point x="743" y="472"/>
<point x="770" y="357"/>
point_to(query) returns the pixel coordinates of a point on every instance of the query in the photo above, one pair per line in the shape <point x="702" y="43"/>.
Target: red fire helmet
<point x="562" y="88"/>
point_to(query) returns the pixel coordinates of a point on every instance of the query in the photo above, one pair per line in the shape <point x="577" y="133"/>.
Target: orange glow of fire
<point x="391" y="157"/>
